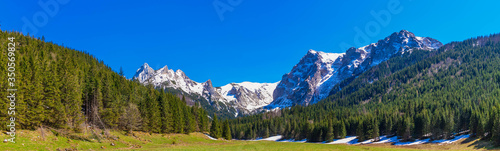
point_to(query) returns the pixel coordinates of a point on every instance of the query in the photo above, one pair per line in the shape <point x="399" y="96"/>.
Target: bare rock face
<point x="314" y="76"/>
<point x="300" y="85"/>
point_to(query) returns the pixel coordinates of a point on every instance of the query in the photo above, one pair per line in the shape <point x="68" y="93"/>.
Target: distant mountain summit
<point x="144" y="73"/>
<point x="317" y="73"/>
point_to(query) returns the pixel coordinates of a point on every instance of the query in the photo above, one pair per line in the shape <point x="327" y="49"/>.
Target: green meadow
<point x="119" y="140"/>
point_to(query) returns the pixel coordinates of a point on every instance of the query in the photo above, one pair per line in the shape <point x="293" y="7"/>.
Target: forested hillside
<point x="419" y="95"/>
<point x="61" y="88"/>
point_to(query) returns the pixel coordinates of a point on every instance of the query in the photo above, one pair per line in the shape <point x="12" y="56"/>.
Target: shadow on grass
<point x="481" y="144"/>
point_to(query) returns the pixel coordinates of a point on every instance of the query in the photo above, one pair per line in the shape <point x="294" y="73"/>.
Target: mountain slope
<point x="232" y="99"/>
<point x="446" y="93"/>
<point x="313" y="78"/>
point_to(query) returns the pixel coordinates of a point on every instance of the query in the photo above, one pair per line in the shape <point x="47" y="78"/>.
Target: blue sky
<point x="256" y="40"/>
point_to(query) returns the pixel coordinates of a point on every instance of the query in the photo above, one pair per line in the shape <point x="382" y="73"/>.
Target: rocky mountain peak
<point x="144" y="73"/>
<point x="163" y="70"/>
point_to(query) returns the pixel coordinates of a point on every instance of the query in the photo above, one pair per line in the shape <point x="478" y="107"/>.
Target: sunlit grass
<point x="32" y="140"/>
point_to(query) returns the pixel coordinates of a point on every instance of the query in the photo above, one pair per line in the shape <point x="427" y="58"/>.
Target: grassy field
<point x="34" y="140"/>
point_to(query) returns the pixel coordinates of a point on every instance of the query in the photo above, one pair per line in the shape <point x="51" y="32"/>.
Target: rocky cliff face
<point x="314" y="76"/>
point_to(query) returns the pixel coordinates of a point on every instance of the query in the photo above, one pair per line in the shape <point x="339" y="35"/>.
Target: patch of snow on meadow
<point x="385" y="139"/>
<point x="293" y="140"/>
<point x="272" y="138"/>
<point x="347" y="140"/>
<point x="457" y="138"/>
<point x="210" y="137"/>
<point x="416" y="142"/>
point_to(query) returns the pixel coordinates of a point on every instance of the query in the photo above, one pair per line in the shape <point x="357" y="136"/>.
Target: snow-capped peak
<point x="248" y="95"/>
<point x="144" y="73"/>
<point x="311" y="51"/>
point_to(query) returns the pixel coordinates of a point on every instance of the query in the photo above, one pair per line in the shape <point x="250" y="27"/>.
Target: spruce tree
<point x="266" y="132"/>
<point x="343" y="131"/>
<point x="496" y="129"/>
<point x="166" y="113"/>
<point x="189" y="120"/>
<point x="376" y="131"/>
<point x="329" y="133"/>
<point x="214" y="128"/>
<point x="360" y="131"/>
<point x="226" y="133"/>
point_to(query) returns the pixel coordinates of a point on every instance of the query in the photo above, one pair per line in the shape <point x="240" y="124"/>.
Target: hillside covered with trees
<point x="61" y="88"/>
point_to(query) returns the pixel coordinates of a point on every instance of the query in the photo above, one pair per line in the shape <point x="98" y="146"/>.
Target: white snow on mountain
<point x="144" y="73"/>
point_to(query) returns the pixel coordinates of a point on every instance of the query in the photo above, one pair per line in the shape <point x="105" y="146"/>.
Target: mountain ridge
<point x="309" y="81"/>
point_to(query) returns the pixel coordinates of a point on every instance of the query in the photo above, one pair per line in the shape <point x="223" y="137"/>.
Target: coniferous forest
<point x="438" y="95"/>
<point x="61" y="88"/>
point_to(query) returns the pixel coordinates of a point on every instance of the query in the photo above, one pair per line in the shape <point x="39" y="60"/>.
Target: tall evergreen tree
<point x="226" y="133"/>
<point x="215" y="128"/>
<point x="329" y="133"/>
<point x="343" y="131"/>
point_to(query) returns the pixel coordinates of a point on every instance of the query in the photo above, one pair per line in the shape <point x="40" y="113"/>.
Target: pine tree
<point x="376" y="133"/>
<point x="343" y="131"/>
<point x="388" y="126"/>
<point x="480" y="127"/>
<point x="306" y="130"/>
<point x="71" y="96"/>
<point x="329" y="134"/>
<point x="214" y="128"/>
<point x="422" y="122"/>
<point x="189" y="120"/>
<point x="121" y="73"/>
<point x="266" y="132"/>
<point x="404" y="128"/>
<point x="496" y="129"/>
<point x="196" y="117"/>
<point x="203" y="120"/>
<point x="166" y="114"/>
<point x="53" y="107"/>
<point x="226" y="133"/>
<point x="153" y="112"/>
<point x="490" y="125"/>
<point x="368" y="128"/>
<point x="360" y="131"/>
<point x="35" y="102"/>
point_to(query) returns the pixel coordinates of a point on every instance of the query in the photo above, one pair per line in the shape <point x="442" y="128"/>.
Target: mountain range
<point x="309" y="81"/>
<point x="234" y="98"/>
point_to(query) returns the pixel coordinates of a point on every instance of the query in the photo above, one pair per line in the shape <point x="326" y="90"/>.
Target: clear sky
<point x="239" y="40"/>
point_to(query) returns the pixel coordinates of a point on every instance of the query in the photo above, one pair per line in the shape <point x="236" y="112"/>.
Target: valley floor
<point x="33" y="140"/>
